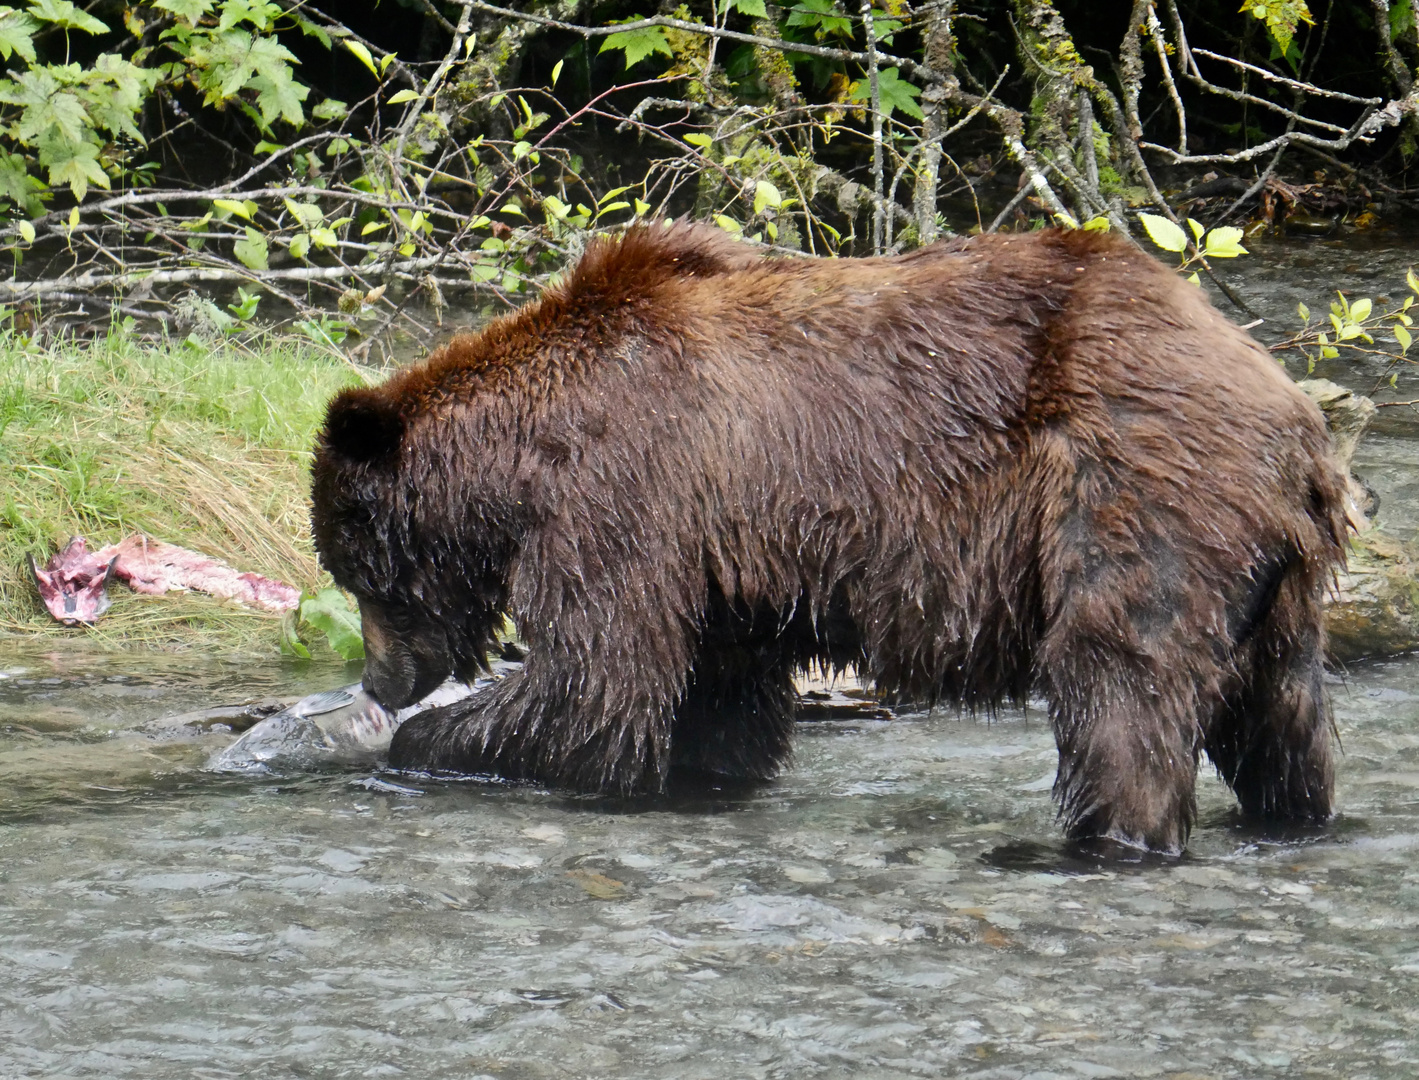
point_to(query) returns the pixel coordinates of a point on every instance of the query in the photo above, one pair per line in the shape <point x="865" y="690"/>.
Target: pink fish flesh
<point x="72" y="584"/>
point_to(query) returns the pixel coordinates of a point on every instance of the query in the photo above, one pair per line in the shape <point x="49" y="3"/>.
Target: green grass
<point x="207" y="448"/>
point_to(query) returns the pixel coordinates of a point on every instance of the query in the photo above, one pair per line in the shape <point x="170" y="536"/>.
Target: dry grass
<point x="207" y="448"/>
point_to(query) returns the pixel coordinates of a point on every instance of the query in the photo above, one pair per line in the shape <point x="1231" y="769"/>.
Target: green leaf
<point x="1164" y="233"/>
<point x="402" y="96"/>
<point x="700" y="139"/>
<point x="310" y="29"/>
<point x="753" y="8"/>
<point x="1069" y="221"/>
<point x="1411" y="280"/>
<point x="1098" y="224"/>
<point x="1197" y="229"/>
<point x="1360" y="310"/>
<point x="308" y="214"/>
<point x="1329" y="352"/>
<point x="728" y="224"/>
<point x="1193" y="279"/>
<point x="556" y="71"/>
<point x="638" y="44"/>
<point x="895" y="93"/>
<point x="330" y="109"/>
<point x="232" y="206"/>
<point x="1401" y="18"/>
<point x="329" y="612"/>
<point x="1404" y="337"/>
<point x="264" y="147"/>
<point x="64" y="14"/>
<point x="1224" y="243"/>
<point x="362" y="55"/>
<point x="765" y="194"/>
<point x="1282" y="18"/>
<point x="1304" y="312"/>
<point x="78" y="168"/>
<point x="323" y="237"/>
<point x="823" y="16"/>
<point x="191" y="10"/>
<point x="26" y="230"/>
<point x="252" y="251"/>
<point x="300" y="245"/>
<point x="44" y="105"/>
<point x="17" y="32"/>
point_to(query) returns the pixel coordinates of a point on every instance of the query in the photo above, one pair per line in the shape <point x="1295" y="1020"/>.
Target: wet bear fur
<point x="990" y="469"/>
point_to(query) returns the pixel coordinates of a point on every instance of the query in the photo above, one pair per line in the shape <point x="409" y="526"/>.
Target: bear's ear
<point x="363" y="425"/>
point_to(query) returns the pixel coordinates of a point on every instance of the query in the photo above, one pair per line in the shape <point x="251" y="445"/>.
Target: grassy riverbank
<point x="207" y="448"/>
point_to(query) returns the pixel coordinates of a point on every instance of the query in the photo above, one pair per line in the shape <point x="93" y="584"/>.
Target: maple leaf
<point x="191" y="10"/>
<point x="72" y="163"/>
<point x="280" y="97"/>
<point x="65" y="15"/>
<point x="895" y="93"/>
<point x="638" y="44"/>
<point x="823" y="15"/>
<point x="17" y="32"/>
<point x="45" y="105"/>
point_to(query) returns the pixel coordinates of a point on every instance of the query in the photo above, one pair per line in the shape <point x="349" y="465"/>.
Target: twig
<point x="1020" y="196"/>
<point x="1155" y="31"/>
<point x="823" y="52"/>
<point x="129" y="279"/>
<point x="1310" y="89"/>
<point x="416" y="108"/>
<point x="876" y="97"/>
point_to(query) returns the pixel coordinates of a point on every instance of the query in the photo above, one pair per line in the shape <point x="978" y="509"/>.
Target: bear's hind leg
<point x="1121" y="670"/>
<point x="1271" y="741"/>
<point x="1128" y="746"/>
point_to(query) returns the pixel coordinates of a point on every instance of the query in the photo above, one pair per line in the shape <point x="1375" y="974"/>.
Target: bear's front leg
<point x="478" y="735"/>
<point x="553" y="727"/>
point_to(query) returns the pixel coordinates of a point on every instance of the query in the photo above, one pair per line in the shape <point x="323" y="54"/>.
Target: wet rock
<point x="1374" y="610"/>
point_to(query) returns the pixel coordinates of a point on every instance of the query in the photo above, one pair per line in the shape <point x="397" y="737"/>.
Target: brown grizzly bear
<point x="1011" y="465"/>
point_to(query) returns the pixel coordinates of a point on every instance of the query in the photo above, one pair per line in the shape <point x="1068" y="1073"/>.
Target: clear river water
<point x="898" y="904"/>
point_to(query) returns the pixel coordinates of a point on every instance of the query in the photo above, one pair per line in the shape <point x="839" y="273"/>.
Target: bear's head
<point x="420" y="537"/>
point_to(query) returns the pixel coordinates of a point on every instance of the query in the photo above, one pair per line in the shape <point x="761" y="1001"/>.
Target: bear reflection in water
<point x="1004" y="466"/>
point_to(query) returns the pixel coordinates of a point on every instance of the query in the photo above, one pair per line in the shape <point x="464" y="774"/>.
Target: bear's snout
<point x="402" y="665"/>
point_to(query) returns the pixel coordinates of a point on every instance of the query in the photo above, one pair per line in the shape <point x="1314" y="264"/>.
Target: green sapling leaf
<point x="1164" y="233"/>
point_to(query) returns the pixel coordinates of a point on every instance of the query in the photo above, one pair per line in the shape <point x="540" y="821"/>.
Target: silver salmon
<point x="334" y="727"/>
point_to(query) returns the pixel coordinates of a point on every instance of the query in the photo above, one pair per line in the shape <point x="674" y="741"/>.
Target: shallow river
<point x="899" y="904"/>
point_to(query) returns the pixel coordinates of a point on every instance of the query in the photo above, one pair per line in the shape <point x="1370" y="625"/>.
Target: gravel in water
<point x="898" y="905"/>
